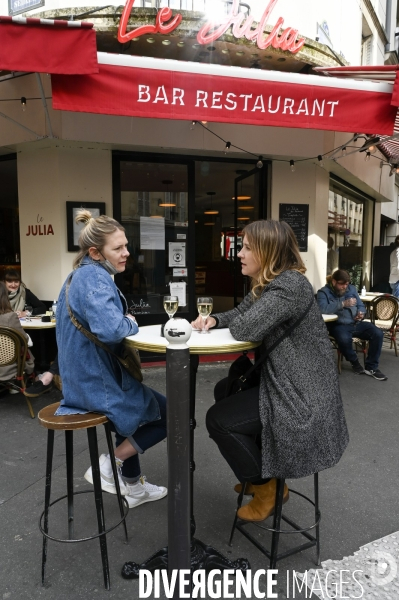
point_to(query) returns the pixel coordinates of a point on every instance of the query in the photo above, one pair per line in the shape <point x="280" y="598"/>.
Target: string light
<point x="370" y="146"/>
<point x="23" y="103"/>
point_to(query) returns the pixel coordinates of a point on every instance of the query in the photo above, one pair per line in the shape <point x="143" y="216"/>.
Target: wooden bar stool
<point x="71" y="423"/>
<point x="276" y="530"/>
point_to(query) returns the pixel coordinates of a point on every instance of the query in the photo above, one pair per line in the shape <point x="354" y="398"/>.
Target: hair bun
<point x="83" y="216"/>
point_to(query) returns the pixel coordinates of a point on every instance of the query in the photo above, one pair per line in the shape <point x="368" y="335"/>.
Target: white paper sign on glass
<point x="152" y="233"/>
<point x="178" y="288"/>
<point x="177" y="254"/>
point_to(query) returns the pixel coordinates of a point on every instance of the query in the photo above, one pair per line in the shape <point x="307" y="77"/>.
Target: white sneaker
<point x="107" y="478"/>
<point x="142" y="491"/>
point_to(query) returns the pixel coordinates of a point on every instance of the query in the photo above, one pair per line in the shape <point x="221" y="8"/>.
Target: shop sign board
<point x="297" y="216"/>
<point x="174" y="90"/>
<point x="242" y="27"/>
<point x="16" y="7"/>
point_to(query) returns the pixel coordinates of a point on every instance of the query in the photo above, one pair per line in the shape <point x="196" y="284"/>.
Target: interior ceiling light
<point x="242" y="198"/>
<point x="246" y="207"/>
<point x="165" y="203"/>
<point x="210" y="210"/>
<point x="242" y="218"/>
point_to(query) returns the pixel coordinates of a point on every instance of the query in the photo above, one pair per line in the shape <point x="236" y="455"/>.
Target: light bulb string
<point x="343" y="147"/>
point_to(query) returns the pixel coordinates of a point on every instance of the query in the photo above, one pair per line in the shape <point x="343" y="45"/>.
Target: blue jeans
<point x="145" y="437"/>
<point x="395" y="289"/>
<point x="363" y="330"/>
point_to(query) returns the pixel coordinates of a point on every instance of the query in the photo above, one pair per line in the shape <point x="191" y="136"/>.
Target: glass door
<point x="248" y="207"/>
<point x="154" y="209"/>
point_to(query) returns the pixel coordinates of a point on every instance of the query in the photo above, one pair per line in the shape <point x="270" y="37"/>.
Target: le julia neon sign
<point x="242" y="26"/>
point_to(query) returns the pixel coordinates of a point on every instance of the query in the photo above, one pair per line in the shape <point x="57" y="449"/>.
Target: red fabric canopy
<point x="46" y="46"/>
<point x="154" y="88"/>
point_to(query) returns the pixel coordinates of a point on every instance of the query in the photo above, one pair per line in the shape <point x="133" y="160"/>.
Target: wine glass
<point x="28" y="312"/>
<point x="170" y="304"/>
<point x="204" y="305"/>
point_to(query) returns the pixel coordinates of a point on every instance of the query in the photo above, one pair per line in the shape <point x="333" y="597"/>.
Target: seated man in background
<point x="339" y="297"/>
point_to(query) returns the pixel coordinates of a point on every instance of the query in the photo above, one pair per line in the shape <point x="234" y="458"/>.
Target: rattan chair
<point x="13" y="349"/>
<point x="384" y="312"/>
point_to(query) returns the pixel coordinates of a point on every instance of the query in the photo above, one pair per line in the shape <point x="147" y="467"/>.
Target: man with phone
<point x="339" y="297"/>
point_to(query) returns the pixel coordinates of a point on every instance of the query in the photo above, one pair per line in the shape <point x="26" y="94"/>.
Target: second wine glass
<point x="204" y="305"/>
<point x="170" y="304"/>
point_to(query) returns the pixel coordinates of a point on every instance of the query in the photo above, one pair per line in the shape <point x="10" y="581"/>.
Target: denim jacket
<point x="331" y="304"/>
<point x="92" y="379"/>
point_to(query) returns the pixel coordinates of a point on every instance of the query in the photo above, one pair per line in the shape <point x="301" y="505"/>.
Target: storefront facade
<point x="181" y="192"/>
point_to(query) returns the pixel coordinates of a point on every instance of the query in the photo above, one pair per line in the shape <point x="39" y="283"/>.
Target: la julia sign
<point x="242" y="27"/>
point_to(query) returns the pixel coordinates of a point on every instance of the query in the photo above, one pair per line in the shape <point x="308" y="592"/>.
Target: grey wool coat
<point x="303" y="421"/>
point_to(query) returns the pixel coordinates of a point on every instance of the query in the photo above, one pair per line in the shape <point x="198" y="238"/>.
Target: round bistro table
<point x="199" y="555"/>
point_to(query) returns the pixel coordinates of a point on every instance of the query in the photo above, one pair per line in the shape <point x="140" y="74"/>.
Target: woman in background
<point x="8" y="318"/>
<point x="19" y="295"/>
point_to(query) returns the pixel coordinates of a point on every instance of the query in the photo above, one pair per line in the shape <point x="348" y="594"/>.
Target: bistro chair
<point x="384" y="315"/>
<point x="254" y="531"/>
<point x="13" y="350"/>
<point x="339" y="353"/>
<point x="69" y="424"/>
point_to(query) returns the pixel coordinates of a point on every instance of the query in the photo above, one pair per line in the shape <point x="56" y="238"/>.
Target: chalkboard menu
<point x="297" y="216"/>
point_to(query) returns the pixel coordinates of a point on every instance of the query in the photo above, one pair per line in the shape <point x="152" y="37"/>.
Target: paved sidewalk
<point x="359" y="498"/>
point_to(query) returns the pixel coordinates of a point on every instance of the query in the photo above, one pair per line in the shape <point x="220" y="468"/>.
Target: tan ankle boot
<point x="263" y="503"/>
<point x="249" y="490"/>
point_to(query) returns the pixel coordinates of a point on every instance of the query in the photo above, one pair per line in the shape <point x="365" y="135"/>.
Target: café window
<point x="349" y="238"/>
<point x="9" y="215"/>
<point x="154" y="211"/>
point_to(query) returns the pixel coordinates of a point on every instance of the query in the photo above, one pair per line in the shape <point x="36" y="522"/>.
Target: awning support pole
<point x="44" y="102"/>
<point x="37" y="136"/>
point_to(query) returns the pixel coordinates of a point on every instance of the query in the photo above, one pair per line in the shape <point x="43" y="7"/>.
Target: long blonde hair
<point x="274" y="246"/>
<point x="94" y="233"/>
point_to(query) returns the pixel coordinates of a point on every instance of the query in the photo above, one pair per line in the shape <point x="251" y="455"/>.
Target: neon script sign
<point x="242" y="26"/>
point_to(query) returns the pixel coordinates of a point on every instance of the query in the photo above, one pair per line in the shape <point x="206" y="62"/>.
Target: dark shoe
<point x="376" y="374"/>
<point x="37" y="389"/>
<point x="357" y="367"/>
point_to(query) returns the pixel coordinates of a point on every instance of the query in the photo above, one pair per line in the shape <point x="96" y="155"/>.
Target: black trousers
<point x="234" y="424"/>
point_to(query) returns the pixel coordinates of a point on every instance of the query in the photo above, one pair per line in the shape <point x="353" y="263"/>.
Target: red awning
<point x="154" y="88"/>
<point x="389" y="146"/>
<point x="47" y="46"/>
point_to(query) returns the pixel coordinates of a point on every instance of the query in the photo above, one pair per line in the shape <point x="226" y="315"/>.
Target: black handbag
<point x="244" y="374"/>
<point x="128" y="356"/>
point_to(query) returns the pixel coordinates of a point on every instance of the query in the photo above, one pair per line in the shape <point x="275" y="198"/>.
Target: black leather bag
<point x="243" y="374"/>
<point x="241" y="377"/>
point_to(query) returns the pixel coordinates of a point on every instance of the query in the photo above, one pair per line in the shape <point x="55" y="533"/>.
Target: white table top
<point x="218" y="341"/>
<point x="369" y="297"/>
<point x="36" y="324"/>
<point x="328" y="318"/>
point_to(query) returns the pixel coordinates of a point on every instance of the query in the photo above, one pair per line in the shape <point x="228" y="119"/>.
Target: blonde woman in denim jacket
<point x="92" y="379"/>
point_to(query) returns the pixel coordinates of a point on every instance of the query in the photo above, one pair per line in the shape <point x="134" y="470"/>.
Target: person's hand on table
<point x="21" y="313"/>
<point x="132" y="317"/>
<point x="199" y="323"/>
<point x="349" y="302"/>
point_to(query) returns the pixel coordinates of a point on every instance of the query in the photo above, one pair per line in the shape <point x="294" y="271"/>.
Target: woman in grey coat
<point x="297" y="411"/>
